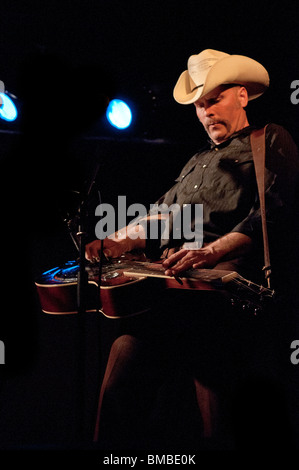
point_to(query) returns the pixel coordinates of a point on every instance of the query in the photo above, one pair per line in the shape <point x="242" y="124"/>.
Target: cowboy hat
<point x="211" y="68"/>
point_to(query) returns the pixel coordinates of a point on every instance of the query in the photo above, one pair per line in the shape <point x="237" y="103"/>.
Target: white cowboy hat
<point x="211" y="68"/>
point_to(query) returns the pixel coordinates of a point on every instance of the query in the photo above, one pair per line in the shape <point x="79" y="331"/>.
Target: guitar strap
<point x="257" y="139"/>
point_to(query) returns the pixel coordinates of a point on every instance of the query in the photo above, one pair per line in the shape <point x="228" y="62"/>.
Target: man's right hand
<point x="125" y="240"/>
<point x="111" y="249"/>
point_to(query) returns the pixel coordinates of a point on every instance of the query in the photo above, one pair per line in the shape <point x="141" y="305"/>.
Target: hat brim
<point x="234" y="69"/>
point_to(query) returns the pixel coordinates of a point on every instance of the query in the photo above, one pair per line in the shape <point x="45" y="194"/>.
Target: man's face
<point x="222" y="112"/>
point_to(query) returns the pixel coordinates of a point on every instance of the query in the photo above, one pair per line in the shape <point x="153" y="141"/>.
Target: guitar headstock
<point x="250" y="297"/>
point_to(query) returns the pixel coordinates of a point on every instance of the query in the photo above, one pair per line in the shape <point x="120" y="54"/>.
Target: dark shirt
<point x="222" y="178"/>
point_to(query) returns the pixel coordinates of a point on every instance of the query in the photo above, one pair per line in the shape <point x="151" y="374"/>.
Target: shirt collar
<point x="245" y="131"/>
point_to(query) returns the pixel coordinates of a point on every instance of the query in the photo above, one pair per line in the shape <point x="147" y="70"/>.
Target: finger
<point x="91" y="249"/>
<point x="203" y="263"/>
<point x="88" y="254"/>
<point x="107" y="253"/>
<point x="92" y="252"/>
<point x="200" y="264"/>
<point x="93" y="258"/>
<point x="174" y="258"/>
<point x="114" y="251"/>
<point x="182" y="265"/>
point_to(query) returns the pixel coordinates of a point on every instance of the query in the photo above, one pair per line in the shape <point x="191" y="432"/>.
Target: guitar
<point x="126" y="287"/>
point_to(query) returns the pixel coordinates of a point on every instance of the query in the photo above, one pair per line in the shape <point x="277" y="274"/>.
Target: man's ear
<point x="243" y="96"/>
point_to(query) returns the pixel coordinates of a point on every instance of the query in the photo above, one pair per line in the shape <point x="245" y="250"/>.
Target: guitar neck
<point x="213" y="276"/>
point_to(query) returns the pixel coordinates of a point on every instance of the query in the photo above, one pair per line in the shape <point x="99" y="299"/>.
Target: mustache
<point x="211" y="122"/>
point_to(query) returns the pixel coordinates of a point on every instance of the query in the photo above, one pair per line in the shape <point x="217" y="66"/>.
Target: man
<point x="220" y="121"/>
<point x="222" y="178"/>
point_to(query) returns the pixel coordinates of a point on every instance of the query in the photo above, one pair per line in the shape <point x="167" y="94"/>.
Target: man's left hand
<point x="187" y="259"/>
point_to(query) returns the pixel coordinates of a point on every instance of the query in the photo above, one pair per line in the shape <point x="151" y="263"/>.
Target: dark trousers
<point x="193" y="368"/>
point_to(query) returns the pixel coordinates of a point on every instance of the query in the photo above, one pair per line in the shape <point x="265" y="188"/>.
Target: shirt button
<point x="195" y="187"/>
<point x="204" y="166"/>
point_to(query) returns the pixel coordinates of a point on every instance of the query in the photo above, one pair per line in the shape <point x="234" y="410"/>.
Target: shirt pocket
<point x="231" y="174"/>
<point x="185" y="172"/>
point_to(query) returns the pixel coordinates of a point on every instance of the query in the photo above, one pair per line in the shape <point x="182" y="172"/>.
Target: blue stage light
<point x="8" y="110"/>
<point x="119" y="114"/>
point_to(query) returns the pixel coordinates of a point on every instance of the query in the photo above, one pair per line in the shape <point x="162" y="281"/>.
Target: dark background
<point x="62" y="59"/>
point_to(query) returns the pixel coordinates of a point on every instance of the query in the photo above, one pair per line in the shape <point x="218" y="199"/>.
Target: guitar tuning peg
<point x="235" y="303"/>
<point x="256" y="311"/>
<point x="247" y="306"/>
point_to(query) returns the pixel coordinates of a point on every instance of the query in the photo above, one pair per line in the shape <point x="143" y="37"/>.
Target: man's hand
<point x="111" y="249"/>
<point x="127" y="239"/>
<point x="187" y="259"/>
<point x="231" y="245"/>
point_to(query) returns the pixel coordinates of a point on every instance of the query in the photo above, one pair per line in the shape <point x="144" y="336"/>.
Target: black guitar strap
<point x="257" y="139"/>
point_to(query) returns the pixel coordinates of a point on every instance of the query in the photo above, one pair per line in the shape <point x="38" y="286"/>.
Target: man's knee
<point x="127" y="360"/>
<point x="125" y="344"/>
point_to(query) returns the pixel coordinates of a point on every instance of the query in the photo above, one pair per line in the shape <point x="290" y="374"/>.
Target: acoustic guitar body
<point x="119" y="294"/>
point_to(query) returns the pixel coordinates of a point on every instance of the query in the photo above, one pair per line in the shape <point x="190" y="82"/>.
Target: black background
<point x="62" y="59"/>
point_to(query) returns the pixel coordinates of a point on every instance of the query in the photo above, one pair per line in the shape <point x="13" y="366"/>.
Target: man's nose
<point x="209" y="110"/>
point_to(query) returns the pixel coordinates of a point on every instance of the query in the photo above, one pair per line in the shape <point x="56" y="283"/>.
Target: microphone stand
<point x="81" y="234"/>
<point x="82" y="285"/>
<point x="82" y="279"/>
